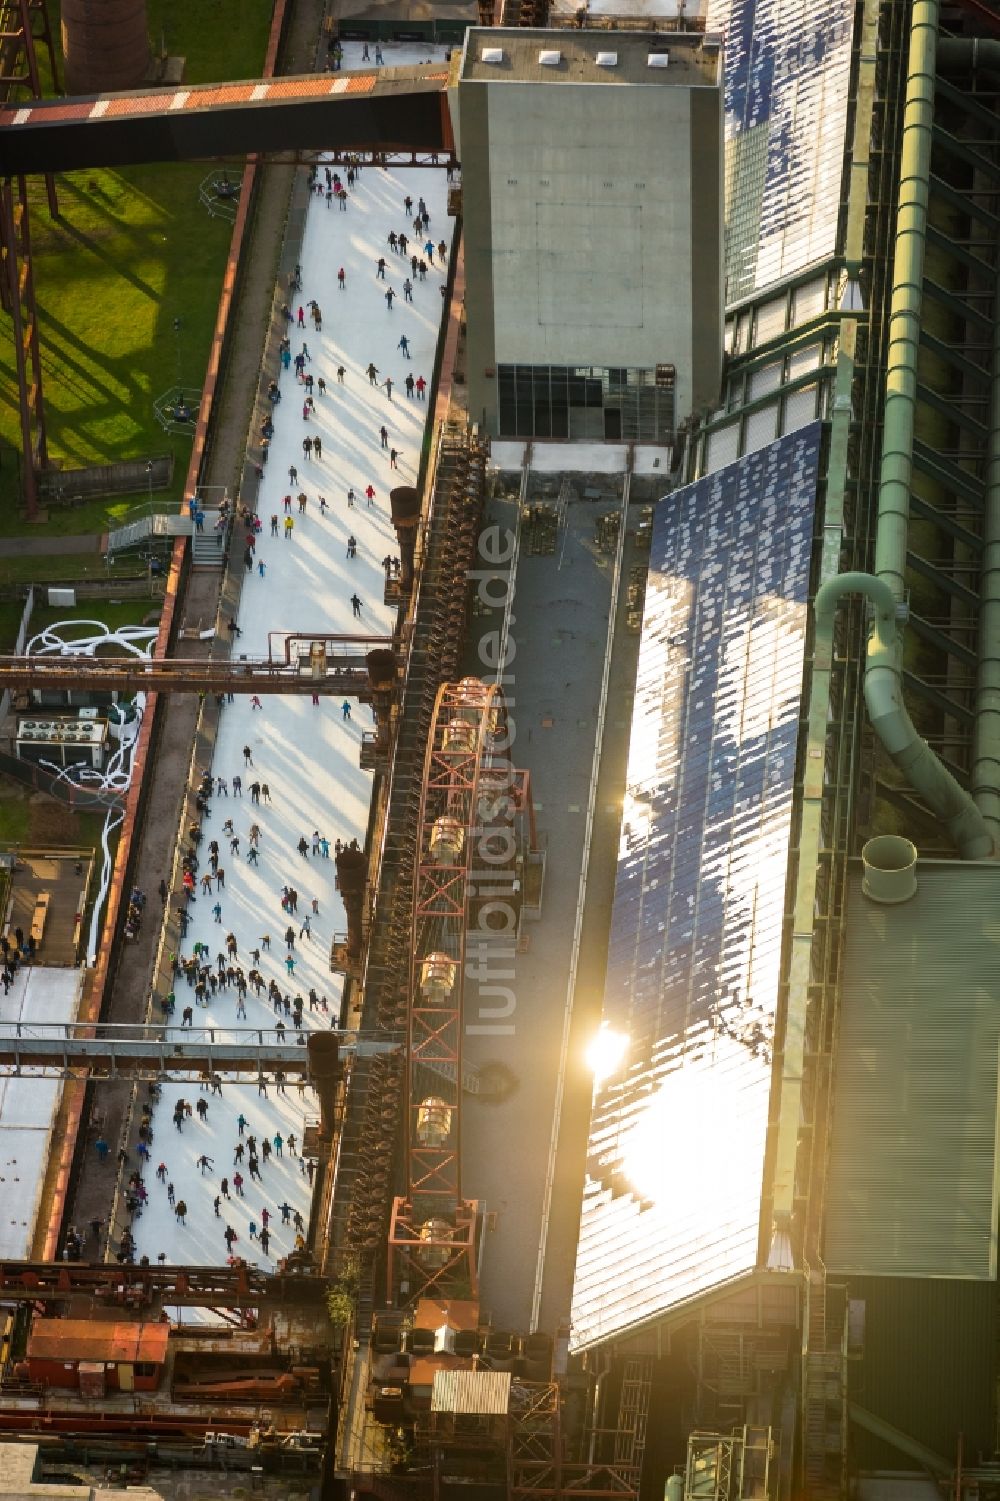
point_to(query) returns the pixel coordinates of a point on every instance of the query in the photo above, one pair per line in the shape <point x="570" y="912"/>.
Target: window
<point x="556" y="401"/>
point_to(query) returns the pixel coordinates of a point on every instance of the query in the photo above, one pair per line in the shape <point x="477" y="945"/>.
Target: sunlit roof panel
<point x="675" y="1163"/>
<point x="787" y="86"/>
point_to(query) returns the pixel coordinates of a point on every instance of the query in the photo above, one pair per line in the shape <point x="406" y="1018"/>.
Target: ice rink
<point x="307" y="755"/>
<point x="28" y="1104"/>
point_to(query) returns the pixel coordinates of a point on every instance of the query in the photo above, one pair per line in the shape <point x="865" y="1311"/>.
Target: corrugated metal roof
<point x="788" y="72"/>
<point x="675" y="1163"/>
<point x="912" y="1187"/>
<point x="929" y="1365"/>
<point x="90" y="1339"/>
<point x="475" y="1392"/>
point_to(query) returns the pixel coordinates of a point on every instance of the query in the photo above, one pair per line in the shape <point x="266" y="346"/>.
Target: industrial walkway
<point x="533" y="1011"/>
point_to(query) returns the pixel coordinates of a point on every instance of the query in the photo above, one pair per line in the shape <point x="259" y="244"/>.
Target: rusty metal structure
<point x="437" y="604"/>
<point x="106" y="48"/>
<point x="235" y="1286"/>
<point x="432" y="1237"/>
<point x="105" y="44"/>
<point x="307" y="664"/>
<point x="22" y="24"/>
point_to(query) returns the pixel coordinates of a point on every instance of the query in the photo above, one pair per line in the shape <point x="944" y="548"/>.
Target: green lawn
<point x="132" y="252"/>
<point x="28" y="818"/>
<point x="11" y="611"/>
<point x="112" y="613"/>
<point x="65" y="568"/>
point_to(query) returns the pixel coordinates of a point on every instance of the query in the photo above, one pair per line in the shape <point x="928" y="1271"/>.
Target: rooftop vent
<point x="550" y="59"/>
<point x="657" y="59"/>
<point x="491" y="55"/>
<point x="890" y="869"/>
<point x="607" y="59"/>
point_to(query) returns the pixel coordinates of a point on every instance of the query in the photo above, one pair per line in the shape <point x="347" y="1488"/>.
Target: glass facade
<point x="586" y="402"/>
<point x="788" y="76"/>
<point x="675" y="1159"/>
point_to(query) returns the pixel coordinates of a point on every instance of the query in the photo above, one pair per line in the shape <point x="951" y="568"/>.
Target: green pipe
<point x="883" y="663"/>
<point x="963" y="54"/>
<point x="890" y="721"/>
<point x="966" y="55"/>
<point x="986" y="739"/>
<point x="907" y="298"/>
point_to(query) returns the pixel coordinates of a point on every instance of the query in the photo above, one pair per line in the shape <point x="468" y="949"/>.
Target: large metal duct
<point x="352" y="867"/>
<point x="105" y="45"/>
<point x="404" y="505"/>
<point x="922" y="768"/>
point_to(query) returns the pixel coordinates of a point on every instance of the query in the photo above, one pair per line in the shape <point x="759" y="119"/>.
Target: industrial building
<point x="592" y="225"/>
<point x="712" y="515"/>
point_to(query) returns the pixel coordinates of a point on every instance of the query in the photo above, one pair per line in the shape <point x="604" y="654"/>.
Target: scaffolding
<point x="435" y="631"/>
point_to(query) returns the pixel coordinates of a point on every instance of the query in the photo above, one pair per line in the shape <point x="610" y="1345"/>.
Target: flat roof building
<point x="592" y="209"/>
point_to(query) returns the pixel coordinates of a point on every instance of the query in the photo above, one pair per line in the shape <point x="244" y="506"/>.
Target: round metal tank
<point x="404" y="506"/>
<point x="471" y="692"/>
<point x="434" y="1229"/>
<point x="433" y="1122"/>
<point x="437" y="978"/>
<point x="674" y="1488"/>
<point x="381" y="665"/>
<point x="317" y="660"/>
<point x="890" y="869"/>
<point x="459" y="738"/>
<point x="105" y="45"/>
<point x="324" y="1069"/>
<point x="447" y="841"/>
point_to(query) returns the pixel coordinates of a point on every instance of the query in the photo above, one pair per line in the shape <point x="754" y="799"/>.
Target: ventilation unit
<point x="607" y="59"/>
<point x="657" y="59"/>
<point x="491" y="55"/>
<point x="550" y="59"/>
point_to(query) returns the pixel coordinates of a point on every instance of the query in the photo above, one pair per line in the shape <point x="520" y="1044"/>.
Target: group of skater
<point x="207" y="1191"/>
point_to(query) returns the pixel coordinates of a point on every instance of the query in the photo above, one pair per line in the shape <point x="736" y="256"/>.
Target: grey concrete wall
<point x="593" y="230"/>
<point x="477" y="239"/>
<point x="707" y="238"/>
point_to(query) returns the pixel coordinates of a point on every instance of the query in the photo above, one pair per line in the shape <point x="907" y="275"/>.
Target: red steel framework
<point x="22" y="23"/>
<point x="432" y="1234"/>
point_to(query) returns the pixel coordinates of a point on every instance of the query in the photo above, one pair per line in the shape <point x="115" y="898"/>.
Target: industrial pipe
<point x="404" y="509"/>
<point x="890" y="721"/>
<point x="965" y="54"/>
<point x="352" y="866"/>
<point x="883" y="663"/>
<point x="907" y="299"/>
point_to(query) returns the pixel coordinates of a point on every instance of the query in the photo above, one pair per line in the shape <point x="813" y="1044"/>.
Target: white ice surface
<point x="307" y="755"/>
<point x="28" y="1104"/>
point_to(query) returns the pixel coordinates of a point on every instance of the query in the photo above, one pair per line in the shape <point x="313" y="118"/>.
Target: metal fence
<point x="70" y="487"/>
<point x="19" y="644"/>
<point x="77" y="799"/>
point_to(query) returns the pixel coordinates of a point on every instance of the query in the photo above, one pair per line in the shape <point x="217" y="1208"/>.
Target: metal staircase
<point x="208" y="547"/>
<point x="823" y="1398"/>
<point x="633" y="1412"/>
<point x="142" y="528"/>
